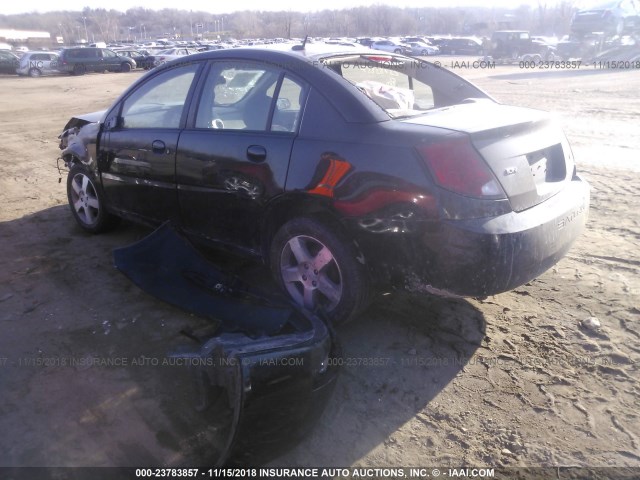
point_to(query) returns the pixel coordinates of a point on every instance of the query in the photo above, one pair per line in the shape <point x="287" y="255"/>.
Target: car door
<point x="234" y="157"/>
<point x="109" y="59"/>
<point x="138" y="149"/>
<point x="8" y="62"/>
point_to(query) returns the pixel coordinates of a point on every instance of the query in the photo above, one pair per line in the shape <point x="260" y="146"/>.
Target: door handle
<point x="256" y="153"/>
<point x="158" y="146"/>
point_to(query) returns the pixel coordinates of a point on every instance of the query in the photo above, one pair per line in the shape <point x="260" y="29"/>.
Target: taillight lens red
<point x="457" y="166"/>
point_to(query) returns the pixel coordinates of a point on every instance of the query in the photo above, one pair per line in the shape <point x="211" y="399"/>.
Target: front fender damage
<point x="273" y="363"/>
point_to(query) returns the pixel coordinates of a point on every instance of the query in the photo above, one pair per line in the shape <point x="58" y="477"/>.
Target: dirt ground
<point x="518" y="379"/>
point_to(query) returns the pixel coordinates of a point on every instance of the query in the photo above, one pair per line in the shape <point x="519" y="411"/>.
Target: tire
<point x="87" y="202"/>
<point x="125" y="67"/>
<point x="319" y="269"/>
<point x="35" y="72"/>
<point x="79" y="69"/>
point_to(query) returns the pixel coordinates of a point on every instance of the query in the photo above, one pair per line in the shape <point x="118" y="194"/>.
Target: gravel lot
<point x="518" y="379"/>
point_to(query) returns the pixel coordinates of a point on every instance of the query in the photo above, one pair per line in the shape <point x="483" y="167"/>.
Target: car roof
<point x="279" y="52"/>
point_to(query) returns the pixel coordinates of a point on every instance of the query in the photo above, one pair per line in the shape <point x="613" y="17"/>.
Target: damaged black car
<point x="342" y="171"/>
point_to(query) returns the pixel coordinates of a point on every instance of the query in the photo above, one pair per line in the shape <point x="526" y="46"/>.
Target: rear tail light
<point x="457" y="166"/>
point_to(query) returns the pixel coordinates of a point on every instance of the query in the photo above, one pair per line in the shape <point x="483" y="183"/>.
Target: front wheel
<point x="125" y="67"/>
<point x="87" y="203"/>
<point x="35" y="72"/>
<point x="319" y="269"/>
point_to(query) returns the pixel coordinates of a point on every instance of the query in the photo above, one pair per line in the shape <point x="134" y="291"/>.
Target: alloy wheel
<point x="85" y="199"/>
<point x="310" y="273"/>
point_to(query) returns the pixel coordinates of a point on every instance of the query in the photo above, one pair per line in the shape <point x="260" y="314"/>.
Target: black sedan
<point x="142" y="58"/>
<point x="342" y="171"/>
<point x="8" y="62"/>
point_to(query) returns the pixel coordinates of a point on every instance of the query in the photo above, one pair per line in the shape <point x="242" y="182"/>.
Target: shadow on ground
<point x="84" y="374"/>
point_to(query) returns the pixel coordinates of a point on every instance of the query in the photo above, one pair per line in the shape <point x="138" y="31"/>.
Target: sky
<point x="222" y="7"/>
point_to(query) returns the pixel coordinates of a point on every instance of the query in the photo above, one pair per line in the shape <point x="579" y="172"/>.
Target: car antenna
<point x="301" y="47"/>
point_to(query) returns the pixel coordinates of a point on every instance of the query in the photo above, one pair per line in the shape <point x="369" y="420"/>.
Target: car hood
<point x="84" y="119"/>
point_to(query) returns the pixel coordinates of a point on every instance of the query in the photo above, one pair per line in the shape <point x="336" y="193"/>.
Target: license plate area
<point x="547" y="166"/>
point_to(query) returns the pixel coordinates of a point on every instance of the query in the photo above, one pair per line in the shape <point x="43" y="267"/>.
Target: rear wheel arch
<point x="286" y="208"/>
<point x="314" y="260"/>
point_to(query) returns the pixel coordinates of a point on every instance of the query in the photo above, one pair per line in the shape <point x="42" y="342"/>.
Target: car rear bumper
<point x="483" y="257"/>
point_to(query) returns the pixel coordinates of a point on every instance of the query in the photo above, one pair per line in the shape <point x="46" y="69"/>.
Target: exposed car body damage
<point x="270" y="366"/>
<point x="398" y="163"/>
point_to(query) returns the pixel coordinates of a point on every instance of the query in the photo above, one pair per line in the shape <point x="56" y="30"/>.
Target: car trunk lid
<point x="526" y="151"/>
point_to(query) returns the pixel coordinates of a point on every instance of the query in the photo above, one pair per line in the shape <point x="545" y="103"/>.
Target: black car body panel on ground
<point x="268" y="369"/>
<point x="341" y="170"/>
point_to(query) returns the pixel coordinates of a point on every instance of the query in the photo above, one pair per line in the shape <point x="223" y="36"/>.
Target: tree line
<point x="141" y="24"/>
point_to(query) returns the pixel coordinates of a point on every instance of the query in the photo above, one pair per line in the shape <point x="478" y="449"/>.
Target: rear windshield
<point x="403" y="87"/>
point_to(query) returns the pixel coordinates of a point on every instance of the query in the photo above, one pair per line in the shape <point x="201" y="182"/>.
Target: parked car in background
<point x="389" y="46"/>
<point x="516" y="44"/>
<point x="36" y="64"/>
<point x="368" y="170"/>
<point x="169" y="54"/>
<point x="461" y="46"/>
<point x="365" y="41"/>
<point x="143" y="58"/>
<point x="611" y="18"/>
<point x="422" y="49"/>
<point x="9" y="61"/>
<point x="78" y="61"/>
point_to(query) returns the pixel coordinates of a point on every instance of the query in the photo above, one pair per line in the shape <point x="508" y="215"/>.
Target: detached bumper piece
<point x="166" y="265"/>
<point x="269" y="363"/>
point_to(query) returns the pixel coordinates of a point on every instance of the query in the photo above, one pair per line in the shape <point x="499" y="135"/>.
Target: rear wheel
<point x="125" y="67"/>
<point x="319" y="269"/>
<point x="87" y="203"/>
<point x="79" y="69"/>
